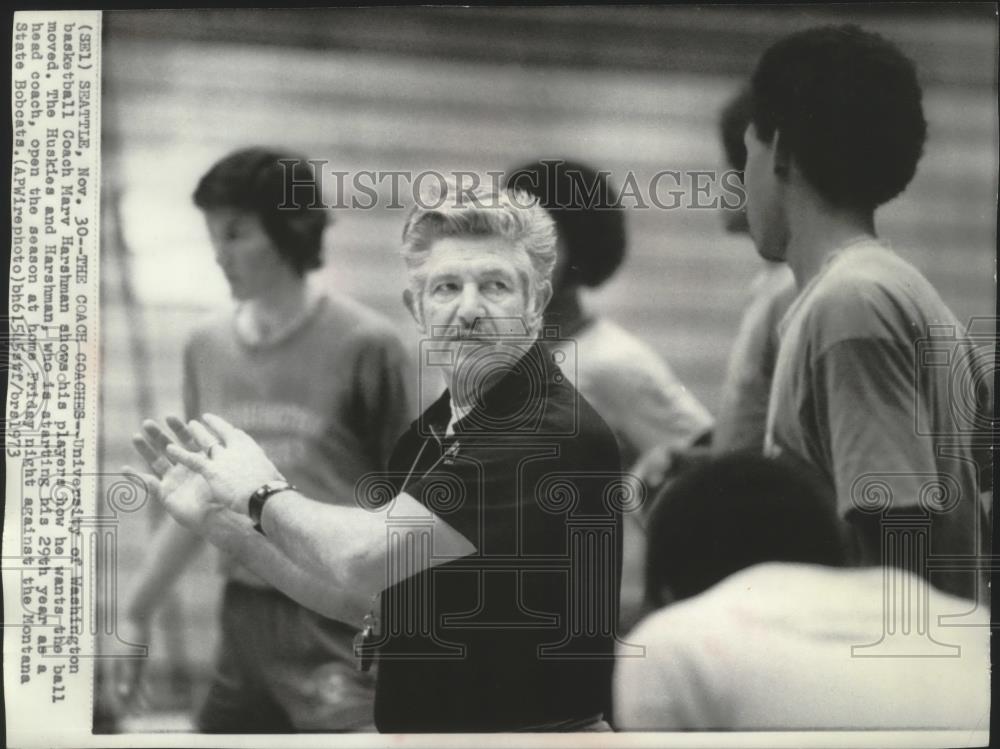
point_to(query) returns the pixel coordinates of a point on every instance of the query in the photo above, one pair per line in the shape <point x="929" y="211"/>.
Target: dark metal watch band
<point x="256" y="504"/>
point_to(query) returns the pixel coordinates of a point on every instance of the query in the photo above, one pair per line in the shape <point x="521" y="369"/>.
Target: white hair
<point x="481" y="212"/>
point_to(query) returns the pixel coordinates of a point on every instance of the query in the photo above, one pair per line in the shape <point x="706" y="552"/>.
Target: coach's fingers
<point x="183" y="434"/>
<point x="158" y="464"/>
<point x="202" y="436"/>
<point x="195" y="461"/>
<point x="225" y="431"/>
<point x="156" y="437"/>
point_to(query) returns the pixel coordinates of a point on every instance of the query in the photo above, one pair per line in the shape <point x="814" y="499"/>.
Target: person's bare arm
<point x="236" y="536"/>
<point x="358" y="548"/>
<point x="349" y="547"/>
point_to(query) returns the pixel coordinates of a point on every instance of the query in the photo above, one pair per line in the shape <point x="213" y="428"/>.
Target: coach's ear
<point x="782" y="156"/>
<point x="410" y="302"/>
<point x="540" y="300"/>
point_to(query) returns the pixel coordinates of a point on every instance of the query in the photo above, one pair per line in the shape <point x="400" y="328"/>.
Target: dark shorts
<point x="282" y="668"/>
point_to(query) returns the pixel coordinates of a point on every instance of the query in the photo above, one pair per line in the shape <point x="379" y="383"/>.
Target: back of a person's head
<point x="281" y="189"/>
<point x="732" y="513"/>
<point x="847" y="105"/>
<point x="584" y="205"/>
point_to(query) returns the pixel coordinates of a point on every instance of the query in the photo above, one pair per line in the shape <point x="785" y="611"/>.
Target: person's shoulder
<point x="870" y="293"/>
<point x="610" y="359"/>
<point x="349" y="313"/>
<point x="868" y="274"/>
<point x="215" y="330"/>
<point x="763" y="596"/>
<point x="606" y="343"/>
<point x="777" y="578"/>
<point x="566" y="402"/>
<point x="566" y="418"/>
<point x="682" y="625"/>
<point x="347" y="319"/>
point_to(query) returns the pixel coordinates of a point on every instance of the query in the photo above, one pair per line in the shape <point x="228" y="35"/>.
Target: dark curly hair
<point x="255" y="180"/>
<point x="848" y="106"/>
<point x="584" y="205"/>
<point x="734" y="512"/>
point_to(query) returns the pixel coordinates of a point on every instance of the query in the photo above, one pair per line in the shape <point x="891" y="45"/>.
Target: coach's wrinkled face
<point x="765" y="191"/>
<point x="244" y="251"/>
<point x="477" y="289"/>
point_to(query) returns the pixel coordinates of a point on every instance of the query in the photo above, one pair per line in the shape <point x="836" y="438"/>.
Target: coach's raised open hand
<point x="184" y="494"/>
<point x="227" y="458"/>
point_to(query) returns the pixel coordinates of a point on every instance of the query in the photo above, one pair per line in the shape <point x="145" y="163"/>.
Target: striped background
<point x="628" y="89"/>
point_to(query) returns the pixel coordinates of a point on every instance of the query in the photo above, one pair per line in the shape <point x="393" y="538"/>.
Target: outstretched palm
<point x="185" y="494"/>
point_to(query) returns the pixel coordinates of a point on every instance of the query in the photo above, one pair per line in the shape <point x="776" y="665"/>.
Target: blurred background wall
<point x="626" y="89"/>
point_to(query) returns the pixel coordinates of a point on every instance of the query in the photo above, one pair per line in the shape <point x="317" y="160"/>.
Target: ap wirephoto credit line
<point x="52" y="521"/>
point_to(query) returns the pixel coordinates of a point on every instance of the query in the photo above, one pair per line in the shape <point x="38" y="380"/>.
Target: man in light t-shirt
<point x="765" y="629"/>
<point x="853" y="394"/>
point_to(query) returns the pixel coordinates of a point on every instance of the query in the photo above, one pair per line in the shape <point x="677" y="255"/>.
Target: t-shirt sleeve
<point x="866" y="397"/>
<point x="382" y="392"/>
<point x="647" y="407"/>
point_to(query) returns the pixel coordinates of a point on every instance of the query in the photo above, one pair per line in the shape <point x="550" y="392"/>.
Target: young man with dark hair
<point x="742" y="416"/>
<point x="837" y="129"/>
<point x="763" y="625"/>
<point x="319" y="380"/>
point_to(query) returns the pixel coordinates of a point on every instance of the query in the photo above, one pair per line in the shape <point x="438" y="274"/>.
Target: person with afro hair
<point x="836" y="130"/>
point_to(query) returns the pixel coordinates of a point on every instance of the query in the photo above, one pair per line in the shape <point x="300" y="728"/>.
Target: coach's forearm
<point x="235" y="535"/>
<point x="345" y="545"/>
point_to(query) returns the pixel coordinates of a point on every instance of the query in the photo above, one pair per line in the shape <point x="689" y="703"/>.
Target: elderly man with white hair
<point x="494" y="540"/>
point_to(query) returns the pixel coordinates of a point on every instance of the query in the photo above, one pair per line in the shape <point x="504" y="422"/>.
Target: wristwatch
<point x="255" y="506"/>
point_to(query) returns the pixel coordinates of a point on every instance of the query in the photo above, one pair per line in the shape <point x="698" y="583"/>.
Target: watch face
<point x="256" y="504"/>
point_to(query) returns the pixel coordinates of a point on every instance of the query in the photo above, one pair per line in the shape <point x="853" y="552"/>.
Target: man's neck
<point x="466" y="391"/>
<point x="817" y="231"/>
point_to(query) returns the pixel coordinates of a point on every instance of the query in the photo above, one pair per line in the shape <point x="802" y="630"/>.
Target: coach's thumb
<point x="148" y="481"/>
